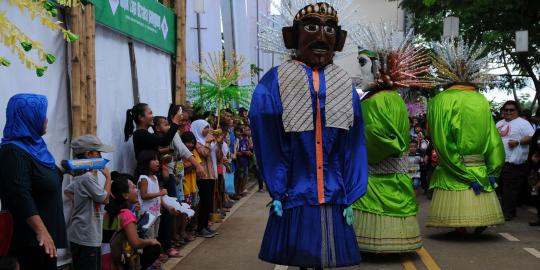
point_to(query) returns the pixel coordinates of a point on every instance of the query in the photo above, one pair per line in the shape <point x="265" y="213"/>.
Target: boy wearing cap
<point x="85" y="227"/>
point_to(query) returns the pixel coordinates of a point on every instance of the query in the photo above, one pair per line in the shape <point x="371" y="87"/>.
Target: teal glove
<point x="349" y="216"/>
<point x="278" y="209"/>
<point x="477" y="188"/>
<point x="493" y="182"/>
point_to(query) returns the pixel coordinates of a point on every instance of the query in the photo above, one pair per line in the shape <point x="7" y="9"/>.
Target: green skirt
<point x="464" y="209"/>
<point x="386" y="234"/>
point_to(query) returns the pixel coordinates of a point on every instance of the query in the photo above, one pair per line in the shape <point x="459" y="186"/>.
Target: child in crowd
<point x="220" y="200"/>
<point x="141" y="114"/>
<point x="415" y="161"/>
<point x="85" y="229"/>
<point x="418" y="134"/>
<point x="187" y="113"/>
<point x="190" y="181"/>
<point x="243" y="155"/>
<point x="237" y="135"/>
<point x="228" y="176"/>
<point x="212" y="120"/>
<point x="120" y="217"/>
<point x="168" y="180"/>
<point x="430" y="163"/>
<point x="150" y="192"/>
<point x="253" y="169"/>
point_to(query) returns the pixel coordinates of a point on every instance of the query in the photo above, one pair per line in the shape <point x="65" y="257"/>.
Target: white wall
<point x="17" y="79"/>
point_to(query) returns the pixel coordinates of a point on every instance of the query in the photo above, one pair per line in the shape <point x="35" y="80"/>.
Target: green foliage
<point x="209" y="96"/>
<point x="493" y="22"/>
<point x="254" y="71"/>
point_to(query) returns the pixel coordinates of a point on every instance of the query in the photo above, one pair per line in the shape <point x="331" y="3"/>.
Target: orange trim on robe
<point x="462" y="87"/>
<point x="318" y="141"/>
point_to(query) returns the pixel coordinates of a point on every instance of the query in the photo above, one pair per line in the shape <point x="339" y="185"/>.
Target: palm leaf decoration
<point x="219" y="88"/>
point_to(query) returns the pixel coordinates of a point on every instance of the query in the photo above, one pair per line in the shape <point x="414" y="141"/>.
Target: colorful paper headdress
<point x="399" y="63"/>
<point x="368" y="53"/>
<point x="456" y="62"/>
<point x="321" y="9"/>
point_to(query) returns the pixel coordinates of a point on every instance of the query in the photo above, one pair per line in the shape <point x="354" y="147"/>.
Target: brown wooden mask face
<point x="315" y="39"/>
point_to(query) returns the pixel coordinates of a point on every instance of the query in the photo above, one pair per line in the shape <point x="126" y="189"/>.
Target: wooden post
<point x="134" y="77"/>
<point x="75" y="15"/>
<point x="83" y="71"/>
<point x="180" y="61"/>
<point x="84" y="55"/>
<point x="90" y="21"/>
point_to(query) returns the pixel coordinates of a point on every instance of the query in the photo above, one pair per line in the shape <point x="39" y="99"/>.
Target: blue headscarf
<point x="25" y="116"/>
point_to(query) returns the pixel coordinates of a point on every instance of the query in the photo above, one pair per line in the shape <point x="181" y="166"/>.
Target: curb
<point x="187" y="249"/>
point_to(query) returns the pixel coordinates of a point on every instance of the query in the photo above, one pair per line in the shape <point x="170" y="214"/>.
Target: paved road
<point x="501" y="247"/>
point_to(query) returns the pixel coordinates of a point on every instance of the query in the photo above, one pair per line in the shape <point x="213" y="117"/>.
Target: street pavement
<point x="513" y="245"/>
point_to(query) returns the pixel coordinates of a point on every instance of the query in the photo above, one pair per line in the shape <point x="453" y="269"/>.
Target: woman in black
<point x="142" y="116"/>
<point x="31" y="184"/>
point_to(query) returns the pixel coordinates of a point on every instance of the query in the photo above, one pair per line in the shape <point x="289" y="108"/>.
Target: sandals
<point x="179" y="243"/>
<point x="173" y="253"/>
<point x="162" y="258"/>
<point x="156" y="265"/>
<point x="189" y="238"/>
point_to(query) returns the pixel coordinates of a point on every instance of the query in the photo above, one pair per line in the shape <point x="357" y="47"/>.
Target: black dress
<point x="144" y="140"/>
<point x="28" y="188"/>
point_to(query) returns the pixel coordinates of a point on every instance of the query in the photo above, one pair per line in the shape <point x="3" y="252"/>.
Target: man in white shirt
<point x="516" y="135"/>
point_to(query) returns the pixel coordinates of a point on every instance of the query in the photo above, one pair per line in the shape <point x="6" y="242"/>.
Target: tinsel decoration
<point x="399" y="63"/>
<point x="455" y="62"/>
<point x="20" y="43"/>
<point x="270" y="35"/>
<point x="4" y="62"/>
<point x="219" y="88"/>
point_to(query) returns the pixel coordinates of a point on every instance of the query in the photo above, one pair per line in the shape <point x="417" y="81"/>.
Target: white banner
<point x="114" y="96"/>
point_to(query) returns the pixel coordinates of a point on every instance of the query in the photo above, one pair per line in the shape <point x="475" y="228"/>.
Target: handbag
<point x="214" y="216"/>
<point x="123" y="253"/>
<point x="229" y="183"/>
<point x="516" y="155"/>
<point x="6" y="232"/>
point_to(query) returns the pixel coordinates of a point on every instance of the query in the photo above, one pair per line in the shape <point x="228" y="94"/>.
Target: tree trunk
<point x="509" y="72"/>
<point x="522" y="60"/>
<point x="533" y="103"/>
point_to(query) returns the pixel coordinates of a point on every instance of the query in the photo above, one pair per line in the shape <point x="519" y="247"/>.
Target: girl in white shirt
<point x="149" y="191"/>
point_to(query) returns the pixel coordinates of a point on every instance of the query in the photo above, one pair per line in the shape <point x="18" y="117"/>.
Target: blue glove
<point x="492" y="182"/>
<point x="477" y="188"/>
<point x="348" y="215"/>
<point x="278" y="209"/>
